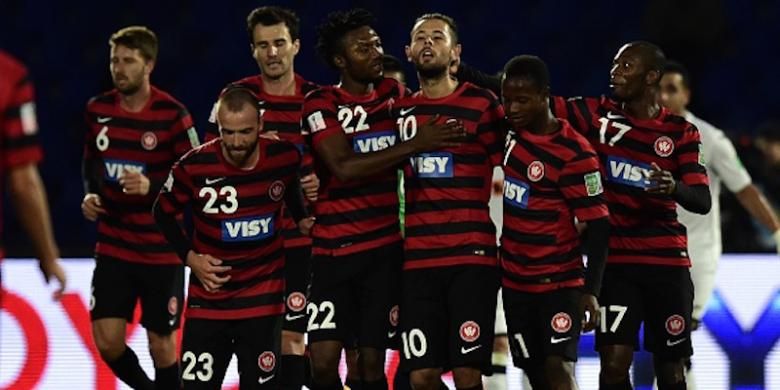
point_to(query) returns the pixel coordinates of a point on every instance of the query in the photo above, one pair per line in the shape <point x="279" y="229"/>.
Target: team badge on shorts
<point x="469" y="331"/>
<point x="675" y="325"/>
<point x="535" y="171"/>
<point x="296" y="301"/>
<point x="561" y="322"/>
<point x="267" y="361"/>
<point x="173" y="306"/>
<point x="394" y="316"/>
<point x="276" y="191"/>
<point x="149" y="140"/>
<point x="664" y="146"/>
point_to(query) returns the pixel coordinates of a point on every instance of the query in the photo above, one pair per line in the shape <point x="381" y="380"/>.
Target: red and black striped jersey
<point x="447" y="191"/>
<point x="362" y="214"/>
<point x="644" y="227"/>
<point x="549" y="180"/>
<point x="236" y="215"/>
<point x="18" y="123"/>
<point x="149" y="142"/>
<point x="281" y="114"/>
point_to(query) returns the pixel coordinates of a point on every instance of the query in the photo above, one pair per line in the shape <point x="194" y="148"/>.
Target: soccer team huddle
<point x="292" y="204"/>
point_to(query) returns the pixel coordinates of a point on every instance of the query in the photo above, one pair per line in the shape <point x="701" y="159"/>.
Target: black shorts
<point x="297" y="274"/>
<point x="659" y="296"/>
<point x="118" y="285"/>
<point x="447" y="317"/>
<point x="353" y="299"/>
<point x="209" y="345"/>
<point x="542" y="324"/>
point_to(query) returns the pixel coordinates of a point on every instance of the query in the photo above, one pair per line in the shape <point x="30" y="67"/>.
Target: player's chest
<point x="220" y="195"/>
<point x="281" y="117"/>
<point x="368" y="127"/>
<point x="528" y="176"/>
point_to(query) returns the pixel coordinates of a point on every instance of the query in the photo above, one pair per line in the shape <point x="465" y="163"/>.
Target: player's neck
<point x="137" y="101"/>
<point x="282" y="86"/>
<point x="355" y="87"/>
<point x="643" y="108"/>
<point x="546" y="124"/>
<point x="439" y="86"/>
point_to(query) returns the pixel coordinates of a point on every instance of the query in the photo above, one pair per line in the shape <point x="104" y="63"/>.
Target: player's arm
<point x="330" y="143"/>
<point x="91" y="204"/>
<point x="293" y="199"/>
<point x="738" y="180"/>
<point x="491" y="131"/>
<point x="692" y="190"/>
<point x="465" y="72"/>
<point x="581" y="185"/>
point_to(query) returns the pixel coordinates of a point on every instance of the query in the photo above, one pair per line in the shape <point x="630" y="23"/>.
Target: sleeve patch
<point x="593" y="184"/>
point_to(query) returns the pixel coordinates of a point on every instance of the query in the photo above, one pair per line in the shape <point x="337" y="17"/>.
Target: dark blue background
<point x="731" y="47"/>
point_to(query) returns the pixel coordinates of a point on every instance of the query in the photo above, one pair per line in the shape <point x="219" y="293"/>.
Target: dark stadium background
<point x="730" y="46"/>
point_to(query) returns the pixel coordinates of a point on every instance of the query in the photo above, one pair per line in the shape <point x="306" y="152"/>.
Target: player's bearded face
<point x="627" y="76"/>
<point x="239" y="133"/>
<point x="432" y="49"/>
<point x="128" y="69"/>
<point x="274" y="50"/>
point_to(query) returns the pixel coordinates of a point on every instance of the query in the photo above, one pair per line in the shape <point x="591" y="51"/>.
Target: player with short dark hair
<point x="20" y="153"/>
<point x="653" y="161"/>
<point x="135" y="133"/>
<point x="235" y="186"/>
<point x="552" y="182"/>
<point x="393" y="68"/>
<point x="356" y="248"/>
<point x="450" y="268"/>
<point x="274" y="41"/>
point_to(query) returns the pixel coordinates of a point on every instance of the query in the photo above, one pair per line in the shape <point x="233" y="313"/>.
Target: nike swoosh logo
<point x="266" y="379"/>
<point x="610" y="115"/>
<point x="464" y="350"/>
<point x="293" y="318"/>
<point x="103" y="119"/>
<point x="171" y="321"/>
<point x="212" y="181"/>
<point x="553" y="340"/>
<point x="405" y="111"/>
<point x="670" y="343"/>
<point x="390" y="335"/>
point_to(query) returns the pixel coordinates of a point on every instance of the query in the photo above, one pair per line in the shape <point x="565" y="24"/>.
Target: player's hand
<point x="52" y="269"/>
<point x="274" y="135"/>
<point x="589" y="307"/>
<point x="432" y="135"/>
<point x="92" y="207"/>
<point x="310" y="185"/>
<point x="134" y="183"/>
<point x="661" y="181"/>
<point x="498" y="188"/>
<point x="305" y="225"/>
<point x="206" y="268"/>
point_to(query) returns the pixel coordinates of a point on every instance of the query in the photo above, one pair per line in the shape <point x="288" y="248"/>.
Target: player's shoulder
<point x="107" y="98"/>
<point x="575" y="144"/>
<point x="304" y="85"/>
<point x="164" y="101"/>
<point x="471" y="90"/>
<point x="205" y="153"/>
<point x="278" y="147"/>
<point x="12" y="69"/>
<point x="252" y="83"/>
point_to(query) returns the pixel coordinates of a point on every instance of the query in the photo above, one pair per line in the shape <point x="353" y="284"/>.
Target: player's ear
<point x="408" y="52"/>
<point x="457" y="50"/>
<point x="296" y="46"/>
<point x="653" y="77"/>
<point x="149" y="67"/>
<point x="339" y="61"/>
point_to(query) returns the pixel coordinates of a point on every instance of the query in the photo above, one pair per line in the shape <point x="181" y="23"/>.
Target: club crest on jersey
<point x="266" y="361"/>
<point x="394" y="316"/>
<point x="173" y="306"/>
<point x="248" y="229"/>
<point x="116" y="168"/>
<point x="276" y="191"/>
<point x="675" y="325"/>
<point x="296" y="301"/>
<point x="469" y="331"/>
<point x="628" y="172"/>
<point x="433" y="165"/>
<point x="664" y="146"/>
<point x="149" y="140"/>
<point x="535" y="171"/>
<point x="561" y="322"/>
<point x="516" y="192"/>
<point x="373" y="142"/>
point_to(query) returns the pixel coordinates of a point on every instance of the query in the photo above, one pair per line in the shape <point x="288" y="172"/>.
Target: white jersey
<point x="723" y="165"/>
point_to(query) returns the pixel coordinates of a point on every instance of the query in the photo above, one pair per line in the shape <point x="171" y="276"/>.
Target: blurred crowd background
<point x="730" y="47"/>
